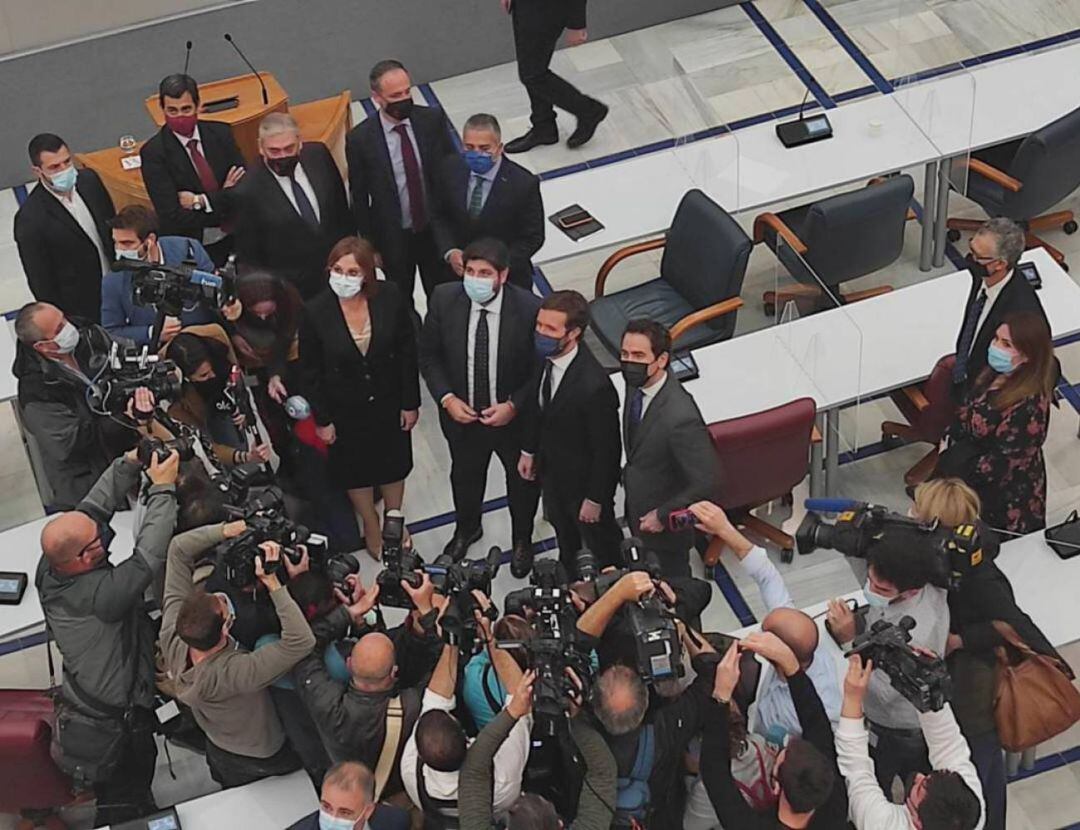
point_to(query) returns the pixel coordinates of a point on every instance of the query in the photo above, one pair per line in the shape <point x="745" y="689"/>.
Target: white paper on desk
<point x="131" y="162"/>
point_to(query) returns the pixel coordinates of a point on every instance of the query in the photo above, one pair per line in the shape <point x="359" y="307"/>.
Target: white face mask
<point x="345" y="286"/>
<point x="67" y="339"/>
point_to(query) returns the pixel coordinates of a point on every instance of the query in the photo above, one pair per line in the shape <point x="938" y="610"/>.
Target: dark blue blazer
<point x="385" y="817"/>
<point x="119" y="314"/>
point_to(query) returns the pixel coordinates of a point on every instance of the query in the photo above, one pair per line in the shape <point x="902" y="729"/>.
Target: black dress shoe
<point x="533" y="138"/>
<point x="586" y="126"/>
<point x="458" y="546"/>
<point x="521" y="559"/>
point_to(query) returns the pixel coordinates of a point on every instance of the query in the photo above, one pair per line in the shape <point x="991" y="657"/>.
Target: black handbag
<point x="1064" y="538"/>
<point x="958" y="460"/>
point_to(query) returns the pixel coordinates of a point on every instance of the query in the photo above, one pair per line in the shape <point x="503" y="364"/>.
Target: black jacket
<point x="576" y="439"/>
<point x="731" y="808"/>
<point x="61" y="263"/>
<point x="270" y="233"/>
<point x="385" y="817"/>
<point x="352" y="722"/>
<point x="1017" y="295"/>
<point x="513" y="212"/>
<point x="167" y="169"/>
<point x="443" y="346"/>
<point x="375" y="203"/>
<point x="337" y="378"/>
<point x="76" y="445"/>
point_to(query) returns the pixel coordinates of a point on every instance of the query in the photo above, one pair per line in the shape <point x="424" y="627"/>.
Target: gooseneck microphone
<point x="187" y="56"/>
<point x="254" y="71"/>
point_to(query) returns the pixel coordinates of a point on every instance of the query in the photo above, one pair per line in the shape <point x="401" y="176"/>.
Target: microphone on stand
<point x="254" y="71"/>
<point x="187" y="56"/>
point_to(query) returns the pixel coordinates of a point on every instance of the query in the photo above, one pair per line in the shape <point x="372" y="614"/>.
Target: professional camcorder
<point x="126" y="369"/>
<point x="400" y="564"/>
<point x="858" y="525"/>
<point x="172" y="289"/>
<point x="921" y="679"/>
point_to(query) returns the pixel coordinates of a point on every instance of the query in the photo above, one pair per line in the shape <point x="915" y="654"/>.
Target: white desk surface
<point x="20" y="550"/>
<point x="1046" y="586"/>
<point x="9" y="386"/>
<point x="272" y="802"/>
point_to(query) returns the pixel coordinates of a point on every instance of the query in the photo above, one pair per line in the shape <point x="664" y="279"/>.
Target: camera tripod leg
<point x="816" y="484"/>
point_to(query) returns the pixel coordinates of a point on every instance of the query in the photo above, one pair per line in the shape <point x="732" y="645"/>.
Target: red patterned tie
<point x="202" y="166"/>
<point x="413" y="183"/>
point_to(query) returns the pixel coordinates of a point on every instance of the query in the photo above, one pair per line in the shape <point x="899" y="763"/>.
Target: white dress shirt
<point x="75" y="205"/>
<point x="992" y="294"/>
<point x="650" y="393"/>
<point x="867" y="805"/>
<point x="397" y="162"/>
<point x="494" y="310"/>
<point x="559" y="365"/>
<point x="508" y="764"/>
<point x="305" y="185"/>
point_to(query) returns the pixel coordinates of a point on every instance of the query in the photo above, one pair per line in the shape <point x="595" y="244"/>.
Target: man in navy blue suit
<point x="347" y="802"/>
<point x="135" y="236"/>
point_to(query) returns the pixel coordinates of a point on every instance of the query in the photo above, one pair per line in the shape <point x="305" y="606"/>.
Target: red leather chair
<point x="929" y="410"/>
<point x="762" y="458"/>
<point x="32" y="786"/>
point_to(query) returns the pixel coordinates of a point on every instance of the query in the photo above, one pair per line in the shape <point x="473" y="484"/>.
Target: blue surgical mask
<point x="479" y="289"/>
<point x="329" y="822"/>
<point x="875" y="600"/>
<point x="546" y="346"/>
<point x="999" y="360"/>
<point x="132" y="253"/>
<point x="479" y="162"/>
<point x="64" y="181"/>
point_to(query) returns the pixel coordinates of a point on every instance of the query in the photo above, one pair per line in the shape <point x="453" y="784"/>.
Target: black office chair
<point x="1020" y="179"/>
<point x="697" y="293"/>
<point x="840" y="238"/>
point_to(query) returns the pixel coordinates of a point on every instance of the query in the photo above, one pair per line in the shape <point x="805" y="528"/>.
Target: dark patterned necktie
<point x="637" y="404"/>
<point x="476" y="197"/>
<point x="545" y="388"/>
<point x="967" y="337"/>
<point x="482" y="371"/>
<point x="303" y="203"/>
<point x="413" y="182"/>
<point x="202" y="167"/>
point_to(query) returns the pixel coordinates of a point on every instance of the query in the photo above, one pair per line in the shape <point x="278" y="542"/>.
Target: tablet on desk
<point x="12" y="587"/>
<point x="161" y="820"/>
<point x="684" y="366"/>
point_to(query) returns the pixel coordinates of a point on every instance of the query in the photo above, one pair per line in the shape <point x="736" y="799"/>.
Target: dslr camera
<point x="457" y="581"/>
<point x="149" y="446"/>
<point x="125" y="369"/>
<point x="172" y="289"/>
<point x="921" y="679"/>
<point x="957" y="551"/>
<point x="401" y="564"/>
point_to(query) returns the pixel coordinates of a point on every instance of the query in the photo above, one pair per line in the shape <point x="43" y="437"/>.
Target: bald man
<point x="96" y="615"/>
<point x="775" y="707"/>
<point x="382" y="698"/>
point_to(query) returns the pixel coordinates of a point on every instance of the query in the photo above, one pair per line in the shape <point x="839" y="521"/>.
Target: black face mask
<point x="399" y="110"/>
<point x="978" y="269"/>
<point x="636" y="375"/>
<point x="211" y="391"/>
<point x="283" y="166"/>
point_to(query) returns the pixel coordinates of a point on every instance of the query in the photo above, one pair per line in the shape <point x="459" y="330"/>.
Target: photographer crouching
<point x="95" y="613"/>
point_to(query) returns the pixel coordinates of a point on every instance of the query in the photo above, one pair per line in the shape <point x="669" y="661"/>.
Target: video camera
<point x="126" y="369"/>
<point x="400" y="564"/>
<point x="858" y="525"/>
<point x="172" y="289"/>
<point x="921" y="679"/>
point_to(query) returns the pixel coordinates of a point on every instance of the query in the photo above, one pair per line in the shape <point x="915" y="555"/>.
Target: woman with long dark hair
<point x="266" y="334"/>
<point x="358" y="359"/>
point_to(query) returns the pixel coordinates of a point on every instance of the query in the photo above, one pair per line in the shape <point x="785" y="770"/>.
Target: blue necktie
<point x="303" y="203"/>
<point x="967" y="337"/>
<point x="476" y="198"/>
<point x="637" y="402"/>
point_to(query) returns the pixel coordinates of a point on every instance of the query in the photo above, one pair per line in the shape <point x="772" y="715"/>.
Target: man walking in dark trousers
<point x="537" y="27"/>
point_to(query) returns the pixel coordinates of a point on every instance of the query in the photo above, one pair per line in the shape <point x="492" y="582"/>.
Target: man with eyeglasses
<point x="95" y="613"/>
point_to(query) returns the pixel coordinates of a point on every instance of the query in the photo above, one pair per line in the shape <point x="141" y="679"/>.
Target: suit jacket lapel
<point x="382" y="148"/>
<point x="61" y="213"/>
<point x="318" y="185"/>
<point x="508" y="320"/>
<point x="569" y="379"/>
<point x="499" y="185"/>
<point x="653" y="413"/>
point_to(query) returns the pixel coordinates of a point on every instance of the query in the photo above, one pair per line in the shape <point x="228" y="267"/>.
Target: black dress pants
<point x="471" y="447"/>
<point x="898" y="753"/>
<point x="232" y="770"/>
<point x="536" y="32"/>
<point x="602" y="538"/>
<point x="127" y="793"/>
<point x="412" y="251"/>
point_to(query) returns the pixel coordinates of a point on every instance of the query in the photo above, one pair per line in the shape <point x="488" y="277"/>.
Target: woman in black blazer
<point x="358" y="362"/>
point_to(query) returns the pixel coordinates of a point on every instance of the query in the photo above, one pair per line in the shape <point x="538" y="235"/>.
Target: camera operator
<point x="135" y="236"/>
<point x="983" y="596"/>
<point x="435" y="752"/>
<point x="597" y="791"/>
<point x="54" y="360"/>
<point x="950" y="796"/>
<point x="225" y="686"/>
<point x="370" y="717"/>
<point x="805" y="778"/>
<point x="899" y="569"/>
<point x="95" y="613"/>
<point x="488" y="674"/>
<point x="775" y="707"/>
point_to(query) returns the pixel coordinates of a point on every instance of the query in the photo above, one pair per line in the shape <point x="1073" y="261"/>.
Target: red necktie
<point x="202" y="166"/>
<point x="413" y="183"/>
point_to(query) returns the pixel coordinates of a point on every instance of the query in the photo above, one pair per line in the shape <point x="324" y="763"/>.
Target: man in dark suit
<point x="997" y="291"/>
<point x="484" y="194"/>
<point x="62" y="231"/>
<point x="347" y="800"/>
<point x="572" y="444"/>
<point x="390" y="156"/>
<point x="670" y="460"/>
<point x="188" y="166"/>
<point x="537" y="27"/>
<point x="478" y="359"/>
<point x="291" y="209"/>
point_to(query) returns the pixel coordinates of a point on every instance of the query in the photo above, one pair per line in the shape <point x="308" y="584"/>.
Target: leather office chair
<point x="766" y="455"/>
<point x="840" y="238"/>
<point x="701" y="274"/>
<point x="1020" y="179"/>
<point x="929" y="409"/>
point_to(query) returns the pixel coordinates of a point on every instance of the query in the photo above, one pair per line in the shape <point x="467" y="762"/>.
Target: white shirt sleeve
<point x="509" y="764"/>
<point x="760" y="568"/>
<point x="432" y="700"/>
<point x="949" y="751"/>
<point x="867" y="804"/>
